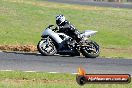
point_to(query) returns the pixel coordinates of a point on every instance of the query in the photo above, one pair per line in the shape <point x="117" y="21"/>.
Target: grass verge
<point x="19" y="79"/>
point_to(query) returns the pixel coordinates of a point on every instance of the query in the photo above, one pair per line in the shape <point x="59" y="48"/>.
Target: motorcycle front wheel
<point x="46" y="47"/>
<point x="91" y="50"/>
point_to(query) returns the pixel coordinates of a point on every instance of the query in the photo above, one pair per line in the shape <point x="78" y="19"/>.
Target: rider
<point x="64" y="26"/>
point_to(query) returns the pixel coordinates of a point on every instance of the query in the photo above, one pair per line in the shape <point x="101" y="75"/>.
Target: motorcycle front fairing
<point x="52" y="34"/>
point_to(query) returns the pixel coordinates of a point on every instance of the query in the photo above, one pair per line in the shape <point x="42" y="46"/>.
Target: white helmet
<point x="60" y="19"/>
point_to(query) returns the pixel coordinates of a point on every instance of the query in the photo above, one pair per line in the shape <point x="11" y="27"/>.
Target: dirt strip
<point x="25" y="48"/>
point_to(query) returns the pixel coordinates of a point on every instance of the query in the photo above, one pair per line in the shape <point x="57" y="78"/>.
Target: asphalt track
<point x="92" y="3"/>
<point x="63" y="64"/>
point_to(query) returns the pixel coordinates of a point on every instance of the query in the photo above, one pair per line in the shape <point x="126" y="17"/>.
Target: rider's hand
<point x="57" y="28"/>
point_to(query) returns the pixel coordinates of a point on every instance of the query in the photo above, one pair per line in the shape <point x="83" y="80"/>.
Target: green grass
<point x="45" y="80"/>
<point x="21" y="22"/>
<point x="116" y="53"/>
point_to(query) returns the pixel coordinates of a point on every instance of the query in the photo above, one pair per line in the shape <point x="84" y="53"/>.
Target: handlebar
<point x="53" y="29"/>
<point x="50" y="26"/>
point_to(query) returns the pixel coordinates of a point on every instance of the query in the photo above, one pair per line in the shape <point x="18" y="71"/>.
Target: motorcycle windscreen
<point x="88" y="33"/>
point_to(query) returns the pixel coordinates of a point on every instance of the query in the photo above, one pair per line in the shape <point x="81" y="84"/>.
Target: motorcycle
<point x="52" y="41"/>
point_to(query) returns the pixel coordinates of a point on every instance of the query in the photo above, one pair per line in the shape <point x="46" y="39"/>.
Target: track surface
<point x="62" y="64"/>
<point x="86" y="2"/>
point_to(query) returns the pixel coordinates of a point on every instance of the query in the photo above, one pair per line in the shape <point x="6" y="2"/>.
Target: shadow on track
<point x="38" y="54"/>
<point x="24" y="53"/>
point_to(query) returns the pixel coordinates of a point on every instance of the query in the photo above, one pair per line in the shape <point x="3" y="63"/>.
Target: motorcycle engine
<point x="71" y="43"/>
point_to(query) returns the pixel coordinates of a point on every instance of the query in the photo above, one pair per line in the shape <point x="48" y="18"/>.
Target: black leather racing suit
<point x="69" y="30"/>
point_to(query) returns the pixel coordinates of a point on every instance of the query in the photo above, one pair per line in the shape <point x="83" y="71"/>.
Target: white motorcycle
<point x="52" y="40"/>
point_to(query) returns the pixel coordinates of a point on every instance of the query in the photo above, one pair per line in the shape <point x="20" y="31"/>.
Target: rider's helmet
<point x="60" y="19"/>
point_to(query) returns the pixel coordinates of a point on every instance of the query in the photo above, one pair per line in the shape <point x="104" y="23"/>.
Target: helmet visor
<point x="58" y="22"/>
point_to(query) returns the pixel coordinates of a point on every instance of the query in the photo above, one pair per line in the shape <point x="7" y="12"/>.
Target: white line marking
<point x="48" y="72"/>
<point x="53" y="72"/>
<point x="74" y="73"/>
<point x="6" y="70"/>
<point x="29" y="71"/>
